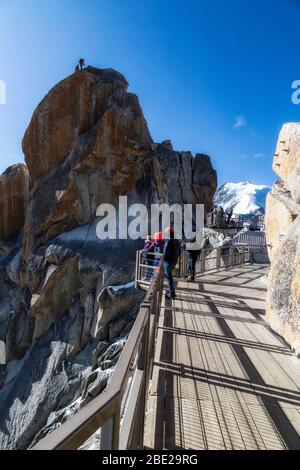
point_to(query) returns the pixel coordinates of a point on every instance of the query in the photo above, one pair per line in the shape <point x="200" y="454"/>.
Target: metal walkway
<point x="221" y="379"/>
<point x="203" y="371"/>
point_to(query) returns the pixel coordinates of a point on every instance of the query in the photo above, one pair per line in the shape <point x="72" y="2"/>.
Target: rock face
<point x="279" y="216"/>
<point x="66" y="307"/>
<point x="14" y="190"/>
<point x="88" y="130"/>
<point x="283" y="236"/>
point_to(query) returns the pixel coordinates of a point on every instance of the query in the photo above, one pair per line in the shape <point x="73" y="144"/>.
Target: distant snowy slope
<point x="242" y="198"/>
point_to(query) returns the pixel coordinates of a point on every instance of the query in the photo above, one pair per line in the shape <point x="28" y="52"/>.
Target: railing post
<point x="136" y="269"/>
<point x="143" y="364"/>
<point x="243" y="254"/>
<point x="106" y="435"/>
<point x="231" y="258"/>
<point x="218" y="258"/>
<point x="249" y="254"/>
<point x="143" y="353"/>
<point x="203" y="261"/>
<point x="116" y="429"/>
<point x="110" y="432"/>
<point x="182" y="267"/>
<point x="184" y="263"/>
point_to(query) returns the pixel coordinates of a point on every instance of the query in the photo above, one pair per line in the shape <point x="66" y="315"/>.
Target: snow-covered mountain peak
<point x="242" y="198"/>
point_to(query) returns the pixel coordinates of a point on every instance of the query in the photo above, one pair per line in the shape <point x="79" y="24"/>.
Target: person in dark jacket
<point x="193" y="251"/>
<point x="172" y="250"/>
<point x="221" y="212"/>
<point x="229" y="215"/>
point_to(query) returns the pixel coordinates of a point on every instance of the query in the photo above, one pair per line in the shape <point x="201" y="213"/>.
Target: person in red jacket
<point x="153" y="251"/>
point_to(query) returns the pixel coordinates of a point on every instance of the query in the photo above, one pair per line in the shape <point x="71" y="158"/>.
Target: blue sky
<point x="214" y="77"/>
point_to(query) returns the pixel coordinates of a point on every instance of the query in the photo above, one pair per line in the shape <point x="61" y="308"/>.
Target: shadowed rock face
<point x="14" y="190"/>
<point x="283" y="237"/>
<point x="87" y="144"/>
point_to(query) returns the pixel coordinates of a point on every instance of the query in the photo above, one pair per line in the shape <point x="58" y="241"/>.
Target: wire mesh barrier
<point x="120" y="410"/>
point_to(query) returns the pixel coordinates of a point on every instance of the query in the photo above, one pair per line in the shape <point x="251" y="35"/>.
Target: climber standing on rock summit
<point x="81" y="63"/>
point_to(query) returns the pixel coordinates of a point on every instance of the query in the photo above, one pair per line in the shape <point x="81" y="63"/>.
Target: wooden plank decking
<point x="222" y="379"/>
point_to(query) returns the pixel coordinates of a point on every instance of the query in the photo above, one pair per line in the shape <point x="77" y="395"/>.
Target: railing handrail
<point x="81" y="426"/>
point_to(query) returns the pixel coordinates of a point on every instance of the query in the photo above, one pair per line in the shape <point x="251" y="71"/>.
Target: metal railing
<point x="217" y="220"/>
<point x="223" y="221"/>
<point x="209" y="259"/>
<point x="120" y="410"/>
<point x="146" y="266"/>
<point x="214" y="259"/>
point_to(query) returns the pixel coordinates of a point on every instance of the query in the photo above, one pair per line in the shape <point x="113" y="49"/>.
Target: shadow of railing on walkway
<point x="270" y="396"/>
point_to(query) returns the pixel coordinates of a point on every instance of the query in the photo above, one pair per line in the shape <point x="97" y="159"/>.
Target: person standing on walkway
<point x="156" y="247"/>
<point x="193" y="250"/>
<point x="172" y="251"/>
<point x="148" y="258"/>
<point x="215" y="217"/>
<point x="229" y="215"/>
<point x="148" y="243"/>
